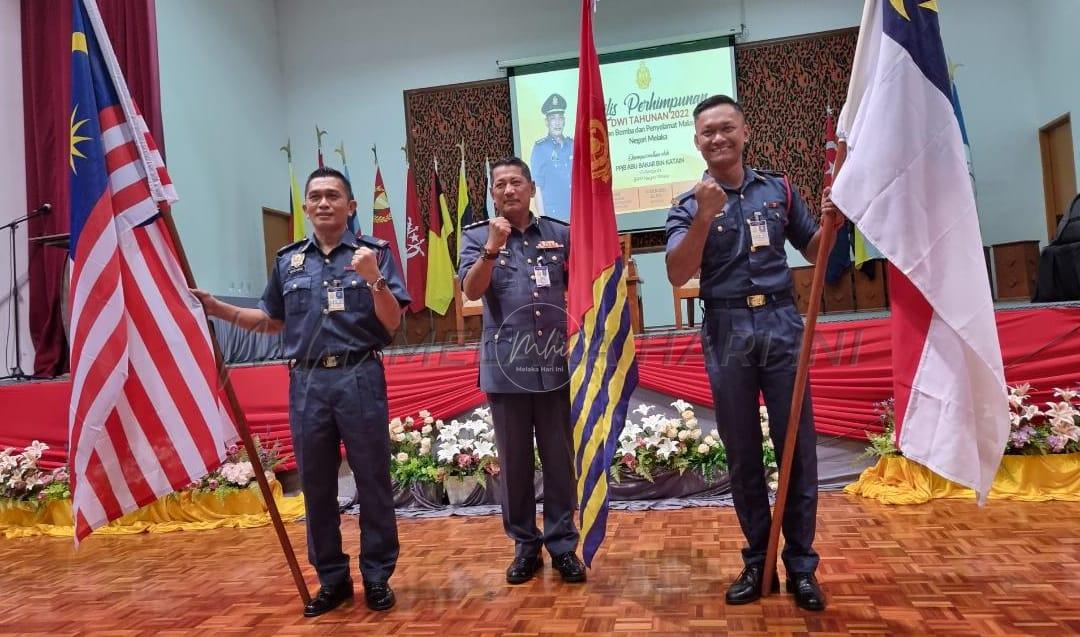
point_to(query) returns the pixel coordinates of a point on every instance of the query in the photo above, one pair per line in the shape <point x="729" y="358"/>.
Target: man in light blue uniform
<point x="551" y="161"/>
<point x="338" y="297"/>
<point x="732" y="227"/>
<point x="517" y="263"/>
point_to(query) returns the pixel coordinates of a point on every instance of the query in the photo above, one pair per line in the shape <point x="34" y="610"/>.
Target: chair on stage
<point x="686" y="292"/>
<point x="464" y="307"/>
<point x="1059" y="266"/>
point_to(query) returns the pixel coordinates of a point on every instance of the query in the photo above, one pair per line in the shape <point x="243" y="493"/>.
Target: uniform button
<point x="742" y="196"/>
<point x="537" y="312"/>
<point x="502" y="261"/>
<point x="526" y="243"/>
<point x="539" y="332"/>
<point x="554" y="258"/>
<point x="325" y="311"/>
<point x="325" y="283"/>
<point x="528" y="260"/>
<point x="536" y="295"/>
<point x="294" y="286"/>
<point x="354" y="282"/>
<point x="719" y="228"/>
<point x="327" y="261"/>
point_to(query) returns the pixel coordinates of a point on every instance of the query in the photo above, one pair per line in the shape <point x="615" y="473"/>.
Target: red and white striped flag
<point x="146" y="417"/>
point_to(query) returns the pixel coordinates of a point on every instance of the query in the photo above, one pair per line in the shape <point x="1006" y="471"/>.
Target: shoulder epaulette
<point x="292" y="245"/>
<point x="373" y="241"/>
<point x="679" y="200"/>
<point x="770" y="173"/>
<point x="475" y="224"/>
<point x="554" y="220"/>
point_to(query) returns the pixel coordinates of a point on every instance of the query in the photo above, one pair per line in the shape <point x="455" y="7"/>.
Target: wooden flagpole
<point x="802" y="374"/>
<point x="242" y="426"/>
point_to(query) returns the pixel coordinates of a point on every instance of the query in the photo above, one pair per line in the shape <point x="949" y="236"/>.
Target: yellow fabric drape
<point x="897" y="480"/>
<point x="183" y="511"/>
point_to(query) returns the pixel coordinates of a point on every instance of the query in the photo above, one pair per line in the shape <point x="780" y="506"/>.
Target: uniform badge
<point x="297" y="260"/>
<point x="548" y="245"/>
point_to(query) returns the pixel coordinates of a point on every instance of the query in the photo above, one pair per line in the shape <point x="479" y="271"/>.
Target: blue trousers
<point x="752" y="352"/>
<point x="328" y="407"/>
<point x="517" y="417"/>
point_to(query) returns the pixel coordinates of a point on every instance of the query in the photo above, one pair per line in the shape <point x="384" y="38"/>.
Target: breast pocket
<point x="357" y="295"/>
<point x="723" y="241"/>
<point x="777" y="223"/>
<point x="555" y="260"/>
<point x="297" y="294"/>
<point x="505" y="274"/>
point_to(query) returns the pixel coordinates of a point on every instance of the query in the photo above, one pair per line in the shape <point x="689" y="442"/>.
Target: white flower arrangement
<point x="658" y="442"/>
<point x="22" y="479"/>
<point x="411" y="443"/>
<point x="468" y="448"/>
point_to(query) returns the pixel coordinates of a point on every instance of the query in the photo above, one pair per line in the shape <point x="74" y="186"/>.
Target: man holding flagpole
<point x="732" y="227"/>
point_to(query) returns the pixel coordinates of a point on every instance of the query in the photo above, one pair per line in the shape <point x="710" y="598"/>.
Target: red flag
<point x="830" y="148"/>
<point x="145" y="417"/>
<point x="603" y="370"/>
<point x="382" y="222"/>
<point x="416" y="246"/>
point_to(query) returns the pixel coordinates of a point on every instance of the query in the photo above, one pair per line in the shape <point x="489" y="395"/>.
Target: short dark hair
<point x="326" y="171"/>
<point x="512" y="161"/>
<point x="716" y="100"/>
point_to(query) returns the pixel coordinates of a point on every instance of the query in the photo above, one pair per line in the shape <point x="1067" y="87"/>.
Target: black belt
<point x="751" y="301"/>
<point x="330" y="361"/>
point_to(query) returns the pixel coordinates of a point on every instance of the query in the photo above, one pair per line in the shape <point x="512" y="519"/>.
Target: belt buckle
<point x="330" y="361"/>
<point x="755" y="300"/>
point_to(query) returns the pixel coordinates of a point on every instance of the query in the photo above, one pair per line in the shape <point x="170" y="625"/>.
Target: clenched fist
<point x="711" y="199"/>
<point x="366" y="264"/>
<point x="498" y="232"/>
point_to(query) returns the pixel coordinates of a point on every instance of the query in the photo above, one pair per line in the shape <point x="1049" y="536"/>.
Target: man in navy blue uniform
<point x="550" y="161"/>
<point x="338" y="297"/>
<point x="517" y="263"/>
<point x="731" y="227"/>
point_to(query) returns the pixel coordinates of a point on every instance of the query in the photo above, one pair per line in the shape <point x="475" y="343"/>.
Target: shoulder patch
<point x="290" y="246"/>
<point x="373" y="241"/>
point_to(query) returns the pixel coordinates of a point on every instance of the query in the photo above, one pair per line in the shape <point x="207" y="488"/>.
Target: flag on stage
<point x="382" y="222"/>
<point x="603" y="371"/>
<point x="440" y="267"/>
<point x="318" y="144"/>
<point x="954" y="97"/>
<point x="416" y="246"/>
<point x="489" y="199"/>
<point x="296" y="199"/>
<point x="354" y="219"/>
<point x="464" y="208"/>
<point x="145" y="417"/>
<point x="905" y="185"/>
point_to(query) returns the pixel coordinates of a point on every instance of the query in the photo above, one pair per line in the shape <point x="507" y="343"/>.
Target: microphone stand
<point x="17" y="372"/>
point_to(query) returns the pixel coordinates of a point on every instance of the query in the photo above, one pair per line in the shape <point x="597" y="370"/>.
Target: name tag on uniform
<point x="335" y="298"/>
<point x="541" y="276"/>
<point x="759" y="231"/>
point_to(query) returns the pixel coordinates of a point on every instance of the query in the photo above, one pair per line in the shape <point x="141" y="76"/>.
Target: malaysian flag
<point x="145" y="417"/>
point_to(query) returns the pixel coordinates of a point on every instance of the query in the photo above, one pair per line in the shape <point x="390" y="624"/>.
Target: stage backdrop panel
<point x="851" y="371"/>
<point x="438" y="120"/>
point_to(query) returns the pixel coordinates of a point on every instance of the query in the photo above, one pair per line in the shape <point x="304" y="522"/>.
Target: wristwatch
<point x="489" y="256"/>
<point x="379" y="284"/>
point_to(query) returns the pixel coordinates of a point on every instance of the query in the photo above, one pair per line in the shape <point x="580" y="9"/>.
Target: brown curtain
<point x="46" y="66"/>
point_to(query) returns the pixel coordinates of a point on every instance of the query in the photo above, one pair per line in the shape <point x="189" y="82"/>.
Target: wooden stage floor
<point x="945" y="568"/>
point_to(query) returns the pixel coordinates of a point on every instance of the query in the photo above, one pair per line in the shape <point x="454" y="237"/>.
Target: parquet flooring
<point x="945" y="568"/>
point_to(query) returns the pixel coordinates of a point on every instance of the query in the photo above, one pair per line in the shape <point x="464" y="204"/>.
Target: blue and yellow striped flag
<point x="603" y="372"/>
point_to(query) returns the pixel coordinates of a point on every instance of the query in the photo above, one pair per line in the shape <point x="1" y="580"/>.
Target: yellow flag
<point x="440" y="267"/>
